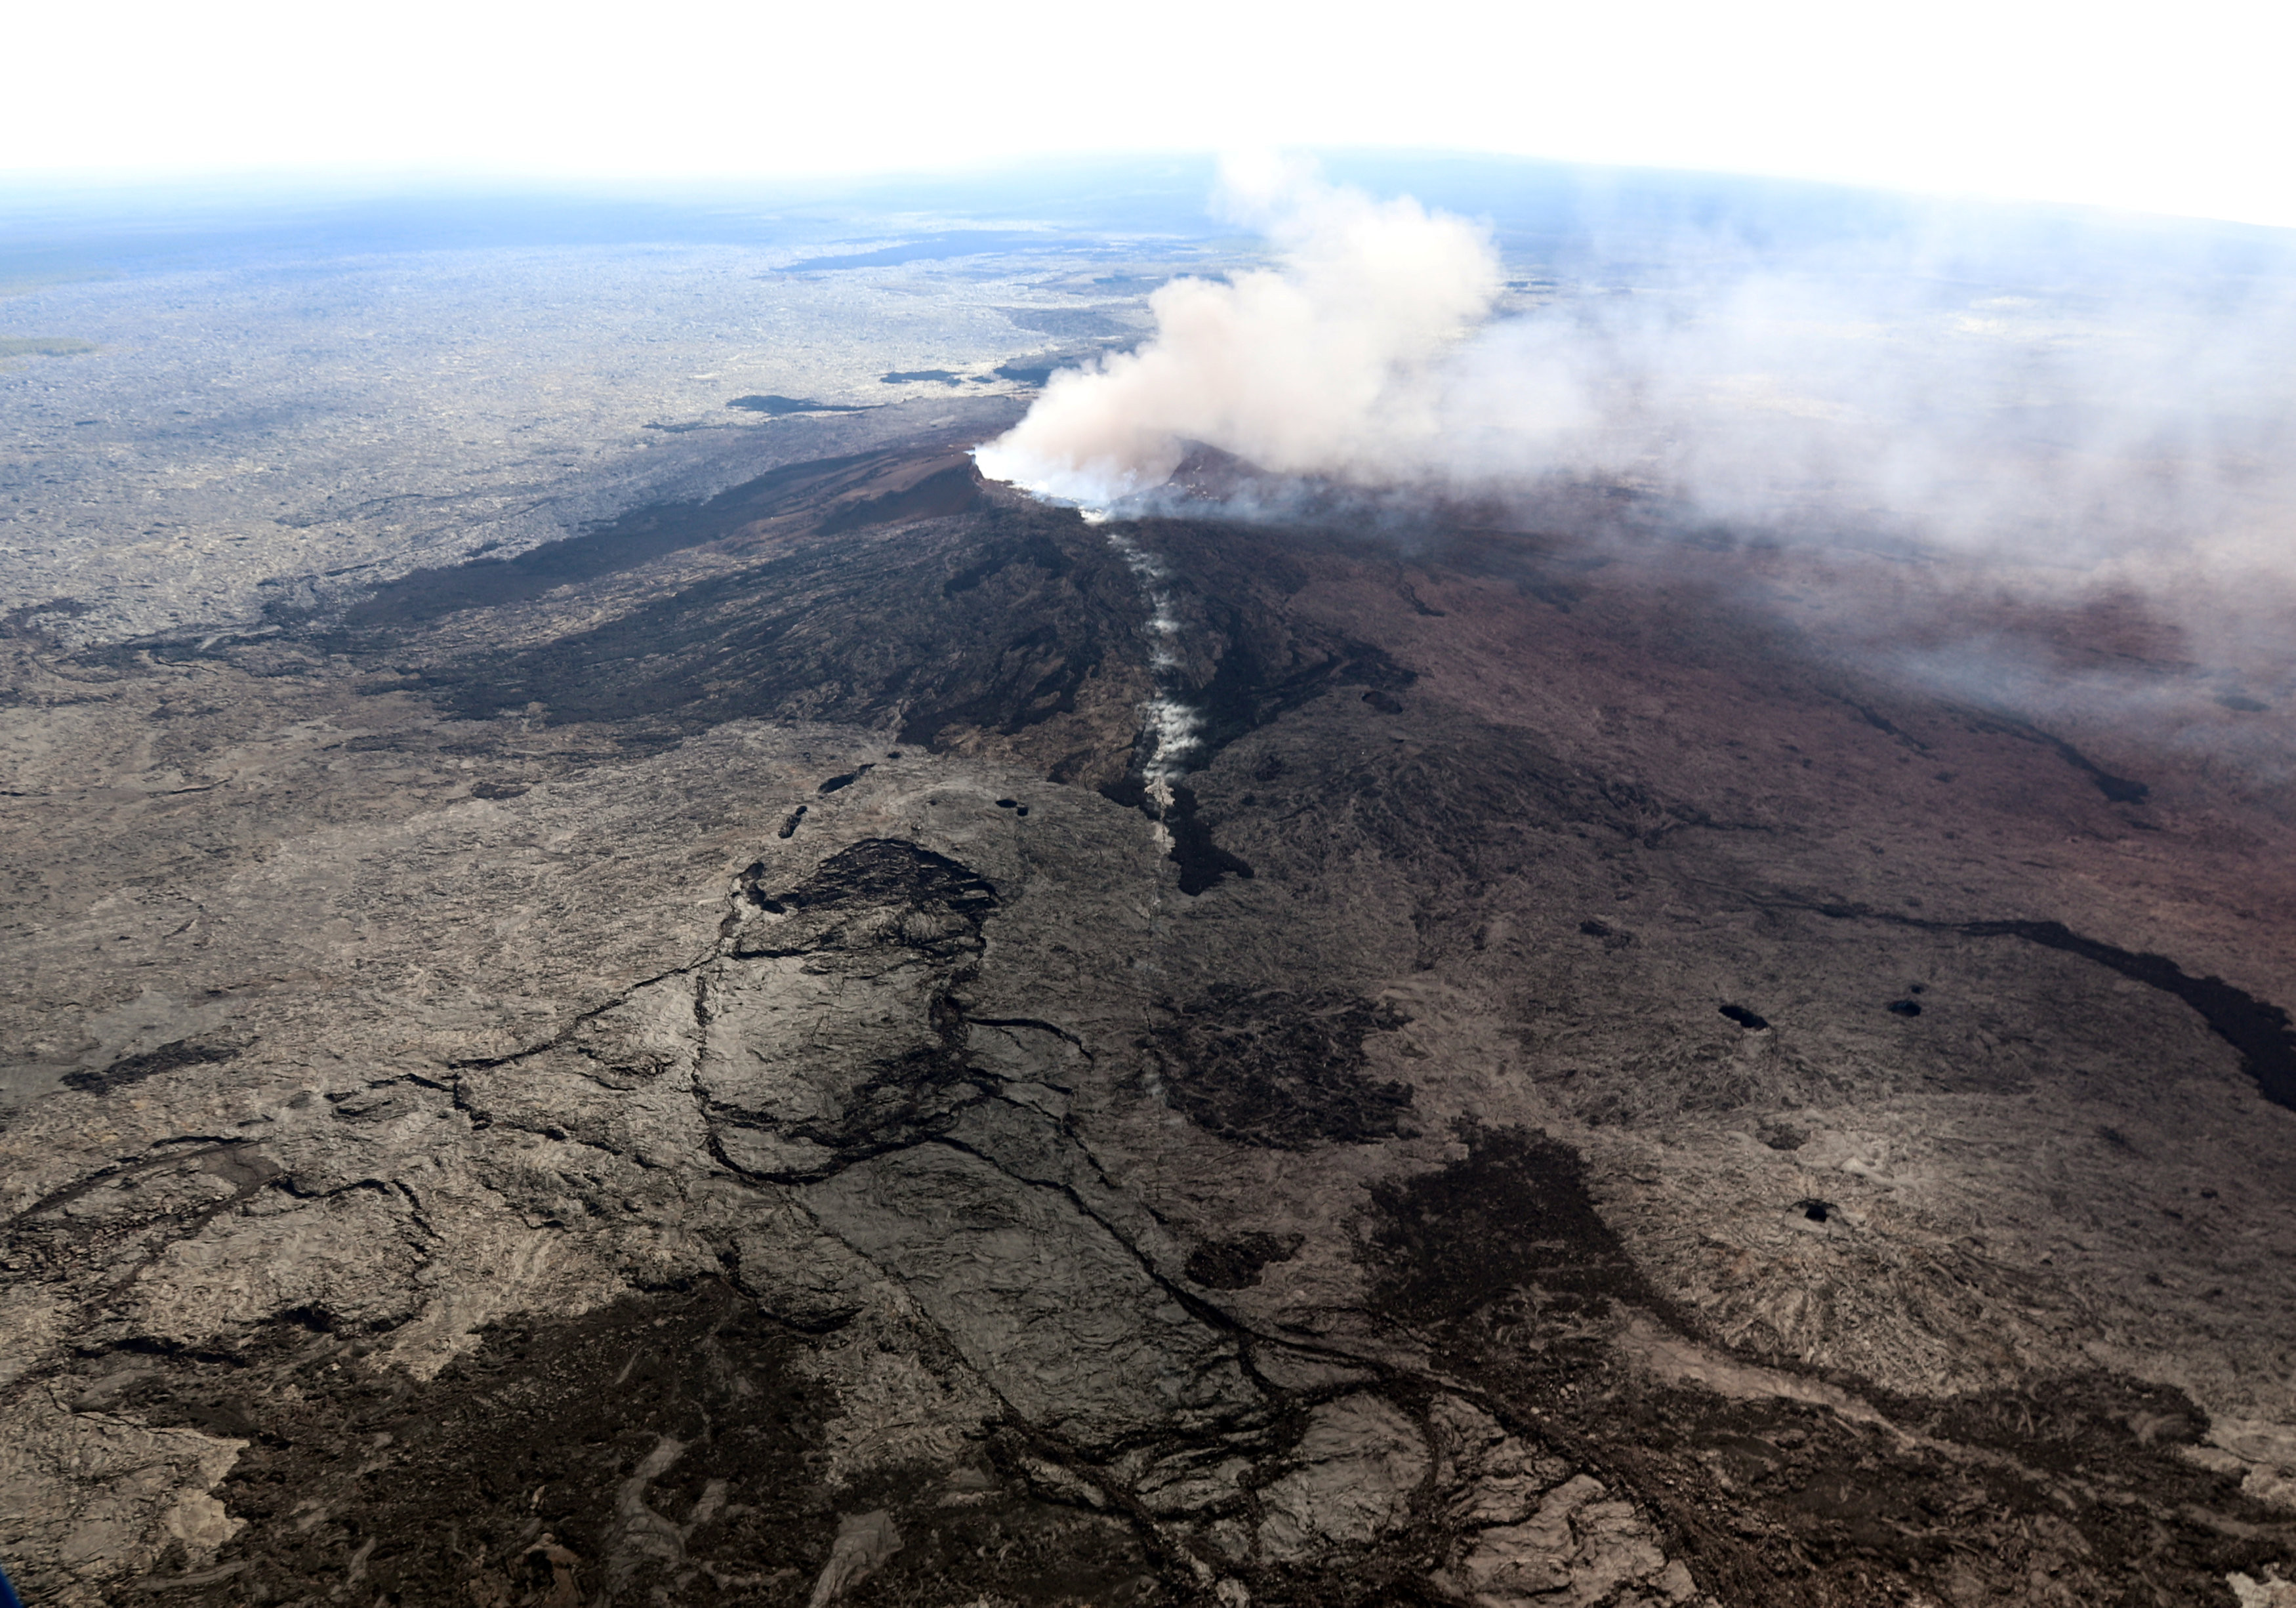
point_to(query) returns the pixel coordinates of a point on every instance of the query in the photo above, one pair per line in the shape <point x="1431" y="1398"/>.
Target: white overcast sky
<point x="2179" y="108"/>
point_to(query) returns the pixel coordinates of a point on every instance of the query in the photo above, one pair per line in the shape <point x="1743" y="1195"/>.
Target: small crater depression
<point x="1746" y="1018"/>
<point x="1905" y="1007"/>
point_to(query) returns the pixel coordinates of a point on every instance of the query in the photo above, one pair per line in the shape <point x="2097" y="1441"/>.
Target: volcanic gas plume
<point x="2087" y="396"/>
<point x="1302" y="368"/>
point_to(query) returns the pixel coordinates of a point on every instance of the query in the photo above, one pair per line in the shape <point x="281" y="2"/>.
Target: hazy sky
<point x="2162" y="108"/>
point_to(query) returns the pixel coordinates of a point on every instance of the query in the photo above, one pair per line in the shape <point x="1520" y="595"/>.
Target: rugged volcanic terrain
<point x="719" y="1060"/>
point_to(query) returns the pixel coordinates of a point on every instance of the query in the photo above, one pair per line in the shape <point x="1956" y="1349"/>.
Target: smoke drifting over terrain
<point x="2064" y="426"/>
<point x="2073" y="396"/>
<point x="1322" y="364"/>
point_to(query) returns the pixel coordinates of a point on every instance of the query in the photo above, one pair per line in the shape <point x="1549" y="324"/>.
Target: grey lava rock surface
<point x="704" y="1064"/>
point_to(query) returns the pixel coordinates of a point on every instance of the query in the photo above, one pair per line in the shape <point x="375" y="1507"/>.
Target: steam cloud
<point x="2091" y="401"/>
<point x="1325" y="361"/>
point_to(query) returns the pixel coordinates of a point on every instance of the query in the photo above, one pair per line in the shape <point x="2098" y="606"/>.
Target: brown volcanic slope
<point x="686" y="1067"/>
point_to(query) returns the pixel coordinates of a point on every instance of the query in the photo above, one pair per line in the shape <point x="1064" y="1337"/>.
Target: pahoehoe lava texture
<point x="1281" y="1070"/>
<point x="1236" y="1263"/>
<point x="1512" y="1217"/>
<point x="614" y="1450"/>
<point x="134" y="1069"/>
<point x="2258" y="1029"/>
<point x="672" y="1070"/>
<point x="660" y="1444"/>
<point x="867" y="915"/>
<point x="635" y="538"/>
<point x="991" y="616"/>
<point x="997" y="628"/>
<point x="1502" y="1259"/>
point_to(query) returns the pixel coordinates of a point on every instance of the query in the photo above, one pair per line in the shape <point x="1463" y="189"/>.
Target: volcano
<point x="731" y="1059"/>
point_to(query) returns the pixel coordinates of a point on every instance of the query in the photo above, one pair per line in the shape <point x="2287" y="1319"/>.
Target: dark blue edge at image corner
<point x="8" y="1598"/>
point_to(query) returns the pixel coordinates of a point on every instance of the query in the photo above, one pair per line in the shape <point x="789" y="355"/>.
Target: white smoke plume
<point x="2106" y="395"/>
<point x="1858" y="395"/>
<point x="1953" y="409"/>
<point x="2035" y="462"/>
<point x="1321" y="363"/>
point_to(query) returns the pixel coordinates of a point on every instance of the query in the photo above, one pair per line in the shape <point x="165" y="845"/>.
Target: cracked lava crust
<point x="708" y="1064"/>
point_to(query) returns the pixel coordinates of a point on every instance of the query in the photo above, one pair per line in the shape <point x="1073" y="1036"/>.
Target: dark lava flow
<point x="638" y="537"/>
<point x="526" y="1474"/>
<point x="1280" y="1070"/>
<point x="2258" y="1029"/>
<point x="779" y="407"/>
<point x="1816" y="1510"/>
<point x="533" y="1471"/>
<point x="1232" y="578"/>
<point x="993" y="614"/>
<point x="1238" y="1263"/>
<point x="1201" y="861"/>
<point x="992" y="618"/>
